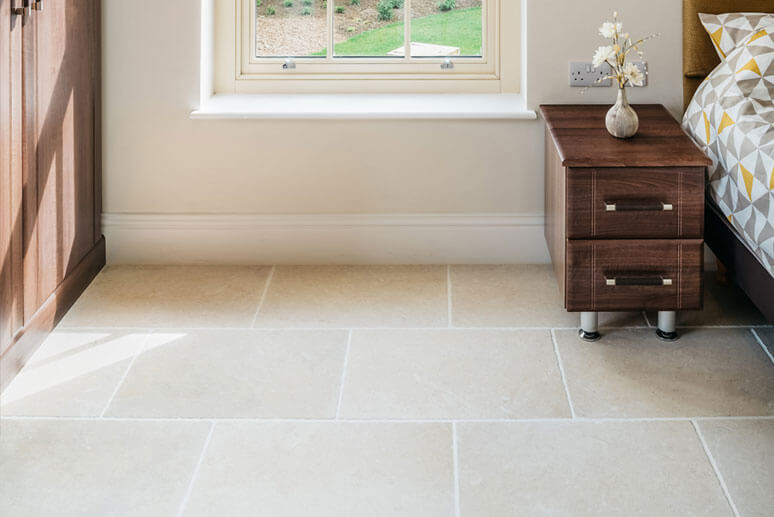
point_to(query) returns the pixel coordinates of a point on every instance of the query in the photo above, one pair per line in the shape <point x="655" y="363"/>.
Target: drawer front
<point x="622" y="275"/>
<point x="635" y="203"/>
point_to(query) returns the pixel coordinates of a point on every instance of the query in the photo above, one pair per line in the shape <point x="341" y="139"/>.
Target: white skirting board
<point x="325" y="239"/>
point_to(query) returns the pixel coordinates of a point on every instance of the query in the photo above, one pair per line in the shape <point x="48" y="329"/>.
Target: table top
<point x="582" y="140"/>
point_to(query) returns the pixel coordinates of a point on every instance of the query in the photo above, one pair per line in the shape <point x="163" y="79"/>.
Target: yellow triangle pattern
<point x="716" y="37"/>
<point x="707" y="126"/>
<point x="757" y="35"/>
<point x="725" y="122"/>
<point x="730" y="218"/>
<point x="751" y="66"/>
<point x="771" y="183"/>
<point x="748" y="180"/>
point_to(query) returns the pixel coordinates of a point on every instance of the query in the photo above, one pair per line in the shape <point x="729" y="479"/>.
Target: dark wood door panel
<point x="11" y="317"/>
<point x="619" y="275"/>
<point x="50" y="235"/>
<point x="635" y="203"/>
<point x="6" y="213"/>
<point x="59" y="196"/>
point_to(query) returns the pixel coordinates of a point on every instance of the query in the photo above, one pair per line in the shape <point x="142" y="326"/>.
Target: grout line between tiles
<point x="763" y="346"/>
<point x="456" y="456"/>
<point x="561" y="371"/>
<point x="392" y="420"/>
<point x="715" y="468"/>
<point x="178" y="327"/>
<point x="343" y="374"/>
<point x="263" y="296"/>
<point x="721" y="327"/>
<point x="449" y="293"/>
<point x="120" y="383"/>
<point x="195" y="474"/>
<point x="119" y="328"/>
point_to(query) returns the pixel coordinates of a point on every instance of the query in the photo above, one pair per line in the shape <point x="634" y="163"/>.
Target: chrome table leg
<point x="667" y="325"/>
<point x="589" y="330"/>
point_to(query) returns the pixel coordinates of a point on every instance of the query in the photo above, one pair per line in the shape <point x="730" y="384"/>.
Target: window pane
<point x="370" y="28"/>
<point x="442" y="28"/>
<point x="288" y="28"/>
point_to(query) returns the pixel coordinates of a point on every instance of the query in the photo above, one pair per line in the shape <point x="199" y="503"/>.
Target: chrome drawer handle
<point x="23" y="11"/>
<point x="639" y="207"/>
<point x="635" y="281"/>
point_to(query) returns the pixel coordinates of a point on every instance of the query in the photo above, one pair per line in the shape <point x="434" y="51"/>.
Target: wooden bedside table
<point x="624" y="218"/>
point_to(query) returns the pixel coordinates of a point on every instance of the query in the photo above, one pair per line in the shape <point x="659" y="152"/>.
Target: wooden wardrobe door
<point x="11" y="317"/>
<point x="61" y="78"/>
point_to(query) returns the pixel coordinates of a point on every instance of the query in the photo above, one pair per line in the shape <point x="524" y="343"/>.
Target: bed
<point x="738" y="234"/>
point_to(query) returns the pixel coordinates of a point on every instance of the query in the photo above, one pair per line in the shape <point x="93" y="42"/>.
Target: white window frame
<point x="238" y="70"/>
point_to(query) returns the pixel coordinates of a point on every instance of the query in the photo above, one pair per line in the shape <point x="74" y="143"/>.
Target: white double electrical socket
<point x="583" y="74"/>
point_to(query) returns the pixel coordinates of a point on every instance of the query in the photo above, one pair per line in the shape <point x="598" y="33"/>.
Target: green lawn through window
<point x="458" y="28"/>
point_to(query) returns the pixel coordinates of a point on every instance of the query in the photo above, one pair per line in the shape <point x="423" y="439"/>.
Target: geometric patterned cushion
<point x="753" y="62"/>
<point x="729" y="30"/>
<point x="731" y="118"/>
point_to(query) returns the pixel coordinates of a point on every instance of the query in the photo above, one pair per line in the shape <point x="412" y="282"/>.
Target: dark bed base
<point x="742" y="265"/>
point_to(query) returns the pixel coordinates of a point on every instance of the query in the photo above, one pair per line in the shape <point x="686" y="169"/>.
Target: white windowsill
<point x="366" y="106"/>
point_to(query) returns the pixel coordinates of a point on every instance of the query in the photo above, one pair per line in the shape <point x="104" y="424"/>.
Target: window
<point x="387" y="46"/>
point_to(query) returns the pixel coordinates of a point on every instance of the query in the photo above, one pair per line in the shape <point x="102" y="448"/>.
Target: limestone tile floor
<point x="384" y="390"/>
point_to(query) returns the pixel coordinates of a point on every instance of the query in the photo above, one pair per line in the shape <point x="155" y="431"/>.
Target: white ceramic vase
<point x="622" y="121"/>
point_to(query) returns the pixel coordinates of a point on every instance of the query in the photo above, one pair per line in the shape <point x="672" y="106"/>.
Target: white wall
<point x="159" y="161"/>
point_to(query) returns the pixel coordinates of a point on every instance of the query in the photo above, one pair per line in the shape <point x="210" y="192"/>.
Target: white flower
<point x="603" y="54"/>
<point x="610" y="29"/>
<point x="633" y="74"/>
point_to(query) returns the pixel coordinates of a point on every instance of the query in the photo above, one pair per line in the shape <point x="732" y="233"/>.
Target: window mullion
<point x="407" y="29"/>
<point x="486" y="41"/>
<point x="331" y="29"/>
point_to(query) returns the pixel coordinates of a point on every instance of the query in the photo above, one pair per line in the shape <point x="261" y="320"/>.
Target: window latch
<point x="289" y="64"/>
<point x="447" y="64"/>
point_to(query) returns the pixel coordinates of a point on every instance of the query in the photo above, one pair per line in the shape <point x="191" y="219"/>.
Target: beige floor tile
<point x="631" y="373"/>
<point x="613" y="468"/>
<point x="236" y="373"/>
<point x="79" y="468"/>
<point x="164" y="296"/>
<point x="766" y="336"/>
<point x="73" y="373"/>
<point x="356" y="296"/>
<point x="419" y="374"/>
<point x="744" y="453"/>
<point x="326" y="469"/>
<point x="724" y="304"/>
<point x="517" y="296"/>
